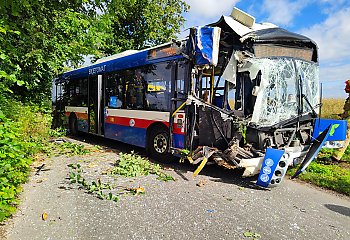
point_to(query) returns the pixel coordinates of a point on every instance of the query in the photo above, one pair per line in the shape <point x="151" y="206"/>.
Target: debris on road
<point x="201" y="183"/>
<point x="44" y="216"/>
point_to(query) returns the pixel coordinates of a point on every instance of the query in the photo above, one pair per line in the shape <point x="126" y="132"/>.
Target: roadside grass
<point x="22" y="132"/>
<point x="323" y="171"/>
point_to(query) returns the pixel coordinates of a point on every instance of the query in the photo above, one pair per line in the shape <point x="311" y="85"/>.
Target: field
<point x="323" y="171"/>
<point x="332" y="107"/>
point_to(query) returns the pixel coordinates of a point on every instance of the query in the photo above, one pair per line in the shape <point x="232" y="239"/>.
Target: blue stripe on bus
<point x="178" y="140"/>
<point x="131" y="135"/>
<point x="127" y="62"/>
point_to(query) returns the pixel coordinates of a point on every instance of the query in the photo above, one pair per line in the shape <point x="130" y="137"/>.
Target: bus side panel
<point x="178" y="140"/>
<point x="125" y="133"/>
<point x="83" y="123"/>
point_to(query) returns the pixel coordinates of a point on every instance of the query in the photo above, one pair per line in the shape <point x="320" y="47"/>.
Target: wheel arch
<point x="155" y="125"/>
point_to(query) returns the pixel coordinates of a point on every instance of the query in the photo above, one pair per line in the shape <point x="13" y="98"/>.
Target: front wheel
<point x="158" y="145"/>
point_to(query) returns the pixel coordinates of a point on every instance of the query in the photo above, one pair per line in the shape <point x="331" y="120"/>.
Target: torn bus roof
<point x="240" y="29"/>
<point x="278" y="35"/>
<point x="261" y="32"/>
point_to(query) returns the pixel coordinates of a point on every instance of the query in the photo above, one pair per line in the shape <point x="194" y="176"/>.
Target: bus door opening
<point x="95" y="109"/>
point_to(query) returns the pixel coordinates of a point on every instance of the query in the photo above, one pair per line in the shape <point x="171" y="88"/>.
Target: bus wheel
<point x="158" y="144"/>
<point x="73" y="125"/>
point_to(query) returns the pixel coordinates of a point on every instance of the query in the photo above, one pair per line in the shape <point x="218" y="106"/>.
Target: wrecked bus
<point x="235" y="92"/>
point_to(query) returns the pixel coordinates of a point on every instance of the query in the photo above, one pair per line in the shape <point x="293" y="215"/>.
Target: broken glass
<point x="277" y="96"/>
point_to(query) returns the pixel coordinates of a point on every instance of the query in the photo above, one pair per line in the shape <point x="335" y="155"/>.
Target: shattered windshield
<point x="278" y="94"/>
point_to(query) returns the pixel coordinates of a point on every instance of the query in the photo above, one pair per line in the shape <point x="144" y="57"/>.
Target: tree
<point x="137" y="24"/>
<point x="45" y="36"/>
<point x="41" y="38"/>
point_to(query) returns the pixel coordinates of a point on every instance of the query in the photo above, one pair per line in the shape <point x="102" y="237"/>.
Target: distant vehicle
<point x="238" y="93"/>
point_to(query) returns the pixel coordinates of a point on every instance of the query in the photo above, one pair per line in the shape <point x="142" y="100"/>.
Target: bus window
<point x="135" y="90"/>
<point x="158" y="92"/>
<point x="75" y="93"/>
<point x="58" y="93"/>
<point x="114" y="91"/>
<point x="81" y="93"/>
<point x="180" y="82"/>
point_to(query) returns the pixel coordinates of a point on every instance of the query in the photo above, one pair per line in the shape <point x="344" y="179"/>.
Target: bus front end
<point x="253" y="106"/>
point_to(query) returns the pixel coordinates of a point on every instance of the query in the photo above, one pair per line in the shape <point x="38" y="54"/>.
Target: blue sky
<point x="325" y="21"/>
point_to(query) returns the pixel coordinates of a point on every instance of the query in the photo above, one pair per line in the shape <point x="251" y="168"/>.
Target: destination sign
<point x="97" y="70"/>
<point x="163" y="52"/>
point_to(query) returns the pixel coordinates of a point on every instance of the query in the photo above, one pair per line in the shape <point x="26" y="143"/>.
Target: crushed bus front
<point x="253" y="97"/>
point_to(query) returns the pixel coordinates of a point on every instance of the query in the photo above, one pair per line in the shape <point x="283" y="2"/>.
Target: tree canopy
<point x="41" y="38"/>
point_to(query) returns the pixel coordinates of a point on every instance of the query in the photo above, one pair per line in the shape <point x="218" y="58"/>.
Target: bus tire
<point x="158" y="144"/>
<point x="73" y="125"/>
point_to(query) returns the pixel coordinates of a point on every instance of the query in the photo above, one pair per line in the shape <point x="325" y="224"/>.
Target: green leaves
<point x="22" y="131"/>
<point x="40" y="39"/>
<point x="134" y="165"/>
<point x="138" y="24"/>
<point x="250" y="234"/>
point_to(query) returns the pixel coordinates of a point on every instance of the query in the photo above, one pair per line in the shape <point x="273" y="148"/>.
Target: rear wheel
<point x="73" y="125"/>
<point x="158" y="144"/>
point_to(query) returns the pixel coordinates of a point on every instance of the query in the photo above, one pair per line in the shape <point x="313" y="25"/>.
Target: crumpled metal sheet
<point x="277" y="96"/>
<point x="207" y="45"/>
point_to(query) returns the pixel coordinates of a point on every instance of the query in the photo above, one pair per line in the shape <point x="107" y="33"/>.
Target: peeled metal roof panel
<point x="274" y="34"/>
<point x="239" y="28"/>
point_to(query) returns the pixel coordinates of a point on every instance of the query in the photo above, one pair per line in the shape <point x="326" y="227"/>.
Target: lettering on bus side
<point x="97" y="70"/>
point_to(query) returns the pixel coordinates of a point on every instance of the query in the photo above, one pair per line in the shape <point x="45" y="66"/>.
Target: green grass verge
<point x="22" y="131"/>
<point x="327" y="174"/>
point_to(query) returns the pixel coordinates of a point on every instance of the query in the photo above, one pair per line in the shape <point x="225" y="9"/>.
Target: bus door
<point x="177" y="108"/>
<point x="95" y="106"/>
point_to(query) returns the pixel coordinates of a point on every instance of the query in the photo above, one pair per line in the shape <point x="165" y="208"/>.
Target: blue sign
<point x="337" y="131"/>
<point x="113" y="102"/>
<point x="267" y="171"/>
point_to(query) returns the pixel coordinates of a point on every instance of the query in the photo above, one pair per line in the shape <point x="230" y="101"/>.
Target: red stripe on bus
<point x="135" y="122"/>
<point x="138" y="123"/>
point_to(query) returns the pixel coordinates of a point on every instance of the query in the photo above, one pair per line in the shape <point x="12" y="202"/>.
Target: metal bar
<point x="99" y="98"/>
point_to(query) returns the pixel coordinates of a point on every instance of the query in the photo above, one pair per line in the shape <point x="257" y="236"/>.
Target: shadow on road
<point x="339" y="209"/>
<point x="214" y="172"/>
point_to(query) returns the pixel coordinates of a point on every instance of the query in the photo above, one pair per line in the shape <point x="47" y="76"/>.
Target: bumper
<point x="252" y="166"/>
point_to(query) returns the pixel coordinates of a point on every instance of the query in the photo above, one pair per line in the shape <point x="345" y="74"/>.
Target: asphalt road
<point x="224" y="207"/>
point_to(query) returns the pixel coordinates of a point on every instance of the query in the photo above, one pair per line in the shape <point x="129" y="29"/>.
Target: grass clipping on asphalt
<point x="134" y="165"/>
<point x="128" y="165"/>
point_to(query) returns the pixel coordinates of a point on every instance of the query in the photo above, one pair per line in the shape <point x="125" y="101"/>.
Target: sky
<point x="327" y="22"/>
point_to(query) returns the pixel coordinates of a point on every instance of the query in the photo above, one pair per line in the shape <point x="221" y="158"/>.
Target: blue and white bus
<point x="235" y="92"/>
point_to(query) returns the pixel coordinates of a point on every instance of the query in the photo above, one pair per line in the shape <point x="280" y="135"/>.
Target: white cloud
<point x="332" y="37"/>
<point x="210" y="8"/>
<point x="203" y="12"/>
<point x="283" y="12"/>
<point x="335" y="73"/>
<point x="329" y="6"/>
